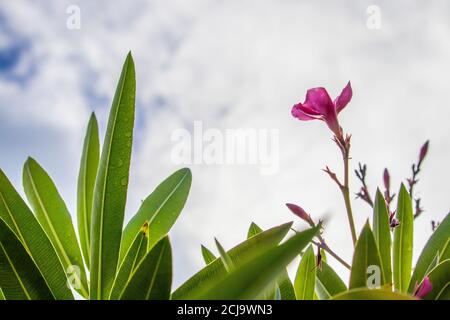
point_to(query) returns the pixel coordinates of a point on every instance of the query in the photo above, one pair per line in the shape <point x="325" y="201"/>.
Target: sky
<point x="234" y="65"/>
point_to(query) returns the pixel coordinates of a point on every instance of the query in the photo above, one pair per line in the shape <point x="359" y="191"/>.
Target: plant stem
<point x="346" y="193"/>
<point x="325" y="247"/>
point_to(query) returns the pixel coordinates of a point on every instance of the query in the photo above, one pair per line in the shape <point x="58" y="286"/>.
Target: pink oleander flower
<point x="319" y="106"/>
<point x="424" y="288"/>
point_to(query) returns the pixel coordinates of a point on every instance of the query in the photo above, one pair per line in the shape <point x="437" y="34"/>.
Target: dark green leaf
<point x="440" y="280"/>
<point x="153" y="276"/>
<point x="438" y="242"/>
<point x="20" y="279"/>
<point x="22" y="222"/>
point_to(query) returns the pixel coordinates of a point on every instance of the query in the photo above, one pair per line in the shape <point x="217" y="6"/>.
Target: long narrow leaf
<point x="382" y="234"/>
<point x="110" y="191"/>
<point x="161" y="209"/>
<point x="21" y="220"/>
<point x="328" y="283"/>
<point x="52" y="213"/>
<point x="305" y="280"/>
<point x="226" y="260"/>
<point x="403" y="241"/>
<point x="86" y="183"/>
<point x="152" y="279"/>
<point x="132" y="259"/>
<point x="253" y="278"/>
<point x="20" y="279"/>
<point x="208" y="256"/>
<point x="371" y="294"/>
<point x="239" y="254"/>
<point x="438" y="242"/>
<point x="366" y="262"/>
<point x="2" y="296"/>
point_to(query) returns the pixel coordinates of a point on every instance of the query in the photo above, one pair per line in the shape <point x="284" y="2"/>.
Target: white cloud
<point x="238" y="64"/>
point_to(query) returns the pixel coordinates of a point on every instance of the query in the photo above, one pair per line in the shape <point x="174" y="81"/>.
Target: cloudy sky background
<point x="233" y="64"/>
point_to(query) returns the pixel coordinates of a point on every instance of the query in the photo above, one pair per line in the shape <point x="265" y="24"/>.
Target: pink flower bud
<point x="299" y="212"/>
<point x="386" y="179"/>
<point x="423" y="151"/>
<point x="424" y="288"/>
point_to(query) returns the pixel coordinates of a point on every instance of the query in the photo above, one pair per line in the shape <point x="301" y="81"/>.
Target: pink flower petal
<point x="344" y="98"/>
<point x="300" y="112"/>
<point x="318" y="100"/>
<point x="424" y="289"/>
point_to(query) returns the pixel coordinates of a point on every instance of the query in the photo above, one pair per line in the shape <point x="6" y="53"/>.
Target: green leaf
<point x="438" y="242"/>
<point x="305" y="280"/>
<point x="253" y="278"/>
<point x="52" y="213"/>
<point x="286" y="288"/>
<point x="23" y="223"/>
<point x="161" y="209"/>
<point x="253" y="230"/>
<point x="382" y="234"/>
<point x="2" y="296"/>
<point x="226" y="260"/>
<point x="134" y="256"/>
<point x="403" y="241"/>
<point x="440" y="280"/>
<point x="366" y="261"/>
<point x="152" y="279"/>
<point x="372" y="294"/>
<point x="86" y="183"/>
<point x="239" y="254"/>
<point x="110" y="191"/>
<point x="328" y="283"/>
<point x="20" y="279"/>
<point x="208" y="256"/>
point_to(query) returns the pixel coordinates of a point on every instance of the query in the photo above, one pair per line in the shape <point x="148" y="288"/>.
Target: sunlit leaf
<point x="23" y="223"/>
<point x="161" y="209"/>
<point x="371" y="294"/>
<point x="208" y="256"/>
<point x="86" y="182"/>
<point x="403" y="241"/>
<point x="110" y="191"/>
<point x="366" y="263"/>
<point x="382" y="234"/>
<point x="226" y="260"/>
<point x="328" y="283"/>
<point x="252" y="279"/>
<point x="54" y="217"/>
<point x="305" y="279"/>
<point x="239" y="254"/>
